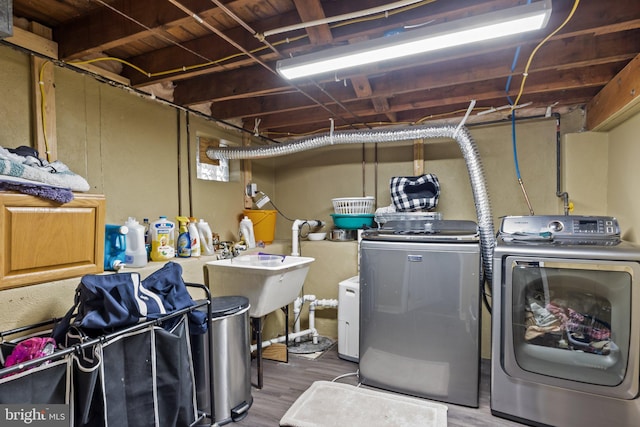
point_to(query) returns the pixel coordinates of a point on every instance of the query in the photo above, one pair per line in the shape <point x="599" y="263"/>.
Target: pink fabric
<point x="29" y="349"/>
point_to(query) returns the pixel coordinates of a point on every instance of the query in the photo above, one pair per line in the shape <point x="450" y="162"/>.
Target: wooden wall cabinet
<point x="42" y="241"/>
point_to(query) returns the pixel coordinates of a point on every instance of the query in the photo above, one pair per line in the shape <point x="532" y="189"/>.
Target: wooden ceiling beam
<point x="563" y="55"/>
<point x="617" y="101"/>
<point x="103" y="29"/>
<point x="311" y="10"/>
<point x="456" y="95"/>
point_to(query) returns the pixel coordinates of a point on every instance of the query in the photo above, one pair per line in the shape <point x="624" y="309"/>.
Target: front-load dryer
<point x="565" y="323"/>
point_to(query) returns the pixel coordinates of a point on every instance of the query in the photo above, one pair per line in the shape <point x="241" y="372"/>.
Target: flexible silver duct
<point x="460" y="134"/>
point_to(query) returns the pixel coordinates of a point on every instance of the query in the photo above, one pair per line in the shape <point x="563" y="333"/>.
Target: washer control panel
<point x="561" y="227"/>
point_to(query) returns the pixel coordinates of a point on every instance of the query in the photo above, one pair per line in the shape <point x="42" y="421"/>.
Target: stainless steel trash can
<point x="229" y="367"/>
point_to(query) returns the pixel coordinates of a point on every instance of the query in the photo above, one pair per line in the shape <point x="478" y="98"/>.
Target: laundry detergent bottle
<point x="246" y="232"/>
<point x="136" y="252"/>
<point x="162" y="236"/>
<point x="206" y="238"/>
<point x="184" y="240"/>
<point x="195" y="237"/>
<point x="115" y="246"/>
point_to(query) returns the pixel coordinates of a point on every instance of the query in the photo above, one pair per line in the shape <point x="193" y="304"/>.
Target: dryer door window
<point x="571" y="321"/>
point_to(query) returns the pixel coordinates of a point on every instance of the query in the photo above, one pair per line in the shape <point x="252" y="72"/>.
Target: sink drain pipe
<point x="314" y="303"/>
<point x="387" y="135"/>
<point x="295" y="336"/>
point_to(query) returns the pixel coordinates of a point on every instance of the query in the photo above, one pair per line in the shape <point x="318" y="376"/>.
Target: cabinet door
<point x="43" y="241"/>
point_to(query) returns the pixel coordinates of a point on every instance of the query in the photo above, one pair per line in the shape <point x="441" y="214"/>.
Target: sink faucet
<point x="228" y="250"/>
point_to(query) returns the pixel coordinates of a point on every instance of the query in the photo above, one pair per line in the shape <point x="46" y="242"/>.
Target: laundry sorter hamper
<point x="35" y="384"/>
<point x="137" y="376"/>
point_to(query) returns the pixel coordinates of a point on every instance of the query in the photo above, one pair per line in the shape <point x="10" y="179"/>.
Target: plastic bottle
<point x="206" y="238"/>
<point x="147" y="238"/>
<point x="184" y="240"/>
<point x="195" y="237"/>
<point x="115" y="245"/>
<point x="246" y="232"/>
<point x="136" y="253"/>
<point x="162" y="236"/>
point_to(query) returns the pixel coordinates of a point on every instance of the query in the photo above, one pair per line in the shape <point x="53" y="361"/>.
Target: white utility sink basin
<point x="269" y="281"/>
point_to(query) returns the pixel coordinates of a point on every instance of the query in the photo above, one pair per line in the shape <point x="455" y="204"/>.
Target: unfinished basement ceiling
<point x="208" y="55"/>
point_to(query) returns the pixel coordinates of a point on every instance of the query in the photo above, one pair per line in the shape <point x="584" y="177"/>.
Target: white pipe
<point x="297" y="333"/>
<point x="314" y="303"/>
<point x="338" y="18"/>
<point x="326" y="303"/>
<point x="295" y="232"/>
<point x="292" y="336"/>
<point x="297" y="308"/>
<point x="312" y="322"/>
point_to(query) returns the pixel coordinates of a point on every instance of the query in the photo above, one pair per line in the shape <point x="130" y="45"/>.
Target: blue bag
<point x="111" y="301"/>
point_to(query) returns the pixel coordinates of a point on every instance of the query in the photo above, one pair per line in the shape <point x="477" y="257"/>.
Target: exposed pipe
<point x="295" y="232"/>
<point x="343" y="17"/>
<point x="246" y="26"/>
<point x="559" y="193"/>
<point x="460" y="135"/>
<point x="256" y="58"/>
<point x="283" y="338"/>
<point x="313" y="304"/>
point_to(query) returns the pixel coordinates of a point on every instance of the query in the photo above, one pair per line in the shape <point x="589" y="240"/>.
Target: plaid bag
<point x="415" y="193"/>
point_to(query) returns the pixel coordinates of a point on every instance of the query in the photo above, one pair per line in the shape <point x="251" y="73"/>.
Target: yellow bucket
<point x="264" y="224"/>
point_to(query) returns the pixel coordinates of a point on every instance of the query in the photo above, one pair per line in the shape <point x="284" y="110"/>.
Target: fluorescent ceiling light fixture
<point x="515" y="20"/>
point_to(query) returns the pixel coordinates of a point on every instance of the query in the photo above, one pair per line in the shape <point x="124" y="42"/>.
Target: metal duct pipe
<point x="460" y="134"/>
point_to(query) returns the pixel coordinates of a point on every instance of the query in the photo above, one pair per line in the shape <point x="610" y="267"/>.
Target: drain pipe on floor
<point x="314" y="303"/>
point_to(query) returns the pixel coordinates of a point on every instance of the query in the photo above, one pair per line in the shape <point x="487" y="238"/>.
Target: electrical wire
<point x="220" y="61"/>
<point x="525" y="74"/>
<point x="43" y="110"/>
<point x="350" y="374"/>
<point x="278" y="210"/>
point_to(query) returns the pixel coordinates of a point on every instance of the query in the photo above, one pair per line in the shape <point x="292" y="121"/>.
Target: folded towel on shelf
<point x="33" y="188"/>
<point x="30" y="167"/>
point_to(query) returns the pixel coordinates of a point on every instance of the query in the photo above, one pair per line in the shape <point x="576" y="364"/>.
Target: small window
<point x="211" y="169"/>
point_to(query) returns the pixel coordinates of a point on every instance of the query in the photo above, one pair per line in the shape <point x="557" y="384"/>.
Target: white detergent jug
<point x="246" y="232"/>
<point x="206" y="238"/>
<point x="135" y="252"/>
<point x="194" y="234"/>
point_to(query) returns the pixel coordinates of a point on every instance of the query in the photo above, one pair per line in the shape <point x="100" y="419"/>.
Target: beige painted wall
<point x="585" y="172"/>
<point x="15" y="107"/>
<point x="623" y="196"/>
<point x="137" y="152"/>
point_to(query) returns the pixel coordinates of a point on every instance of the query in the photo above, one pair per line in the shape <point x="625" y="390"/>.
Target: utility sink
<point x="268" y="281"/>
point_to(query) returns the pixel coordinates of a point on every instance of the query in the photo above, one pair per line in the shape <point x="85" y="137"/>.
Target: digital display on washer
<point x="586" y="226"/>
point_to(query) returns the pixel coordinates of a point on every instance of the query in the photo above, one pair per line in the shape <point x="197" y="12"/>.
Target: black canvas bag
<point x="138" y="379"/>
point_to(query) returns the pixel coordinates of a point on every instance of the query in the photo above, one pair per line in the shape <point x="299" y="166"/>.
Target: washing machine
<point x="419" y="309"/>
<point x="566" y="322"/>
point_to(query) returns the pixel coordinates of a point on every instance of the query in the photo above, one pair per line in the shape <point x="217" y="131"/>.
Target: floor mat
<point x="335" y="404"/>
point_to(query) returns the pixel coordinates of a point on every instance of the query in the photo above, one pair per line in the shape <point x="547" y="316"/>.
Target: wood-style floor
<point x="284" y="382"/>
